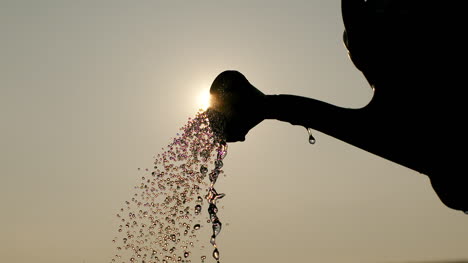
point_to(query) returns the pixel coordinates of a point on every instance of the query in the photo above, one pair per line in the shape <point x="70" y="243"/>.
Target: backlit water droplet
<point x="216" y="254"/>
<point x="214" y="176"/>
<point x="216" y="227"/>
<point x="198" y="209"/>
<point x="311" y="138"/>
<point x="219" y="196"/>
<point x="219" y="164"/>
<point x="222" y="151"/>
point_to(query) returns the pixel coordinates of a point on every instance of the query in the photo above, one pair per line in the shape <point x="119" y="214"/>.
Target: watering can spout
<point x="396" y="132"/>
<point x="236" y="106"/>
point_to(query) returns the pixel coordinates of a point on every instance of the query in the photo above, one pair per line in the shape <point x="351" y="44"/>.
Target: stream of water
<point x="162" y="220"/>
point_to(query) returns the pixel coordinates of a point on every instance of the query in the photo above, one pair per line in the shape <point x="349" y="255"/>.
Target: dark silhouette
<point x="409" y="53"/>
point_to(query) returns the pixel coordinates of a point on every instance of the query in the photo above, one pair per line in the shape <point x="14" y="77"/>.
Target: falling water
<point x="213" y="196"/>
<point x="311" y="138"/>
<point x="161" y="221"/>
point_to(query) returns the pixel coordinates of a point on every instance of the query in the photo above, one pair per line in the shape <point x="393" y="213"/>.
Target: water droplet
<point x="196" y="227"/>
<point x="186" y="254"/>
<point x="222" y="152"/>
<point x="216" y="254"/>
<point x="214" y="176"/>
<point x="219" y="196"/>
<point x="311" y="138"/>
<point x="205" y="154"/>
<point x="212" y="209"/>
<point x="203" y="258"/>
<point x="213" y="240"/>
<point x="216" y="227"/>
<point x="218" y="164"/>
<point x="203" y="169"/>
<point x="198" y="209"/>
<point x="211" y="194"/>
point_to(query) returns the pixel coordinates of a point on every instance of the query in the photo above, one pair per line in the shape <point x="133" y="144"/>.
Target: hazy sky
<point x="91" y="90"/>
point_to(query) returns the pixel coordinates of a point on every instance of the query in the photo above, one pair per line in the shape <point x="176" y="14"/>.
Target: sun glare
<point x="203" y="100"/>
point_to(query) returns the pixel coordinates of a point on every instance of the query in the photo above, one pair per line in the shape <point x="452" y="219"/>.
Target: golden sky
<point x="91" y="90"/>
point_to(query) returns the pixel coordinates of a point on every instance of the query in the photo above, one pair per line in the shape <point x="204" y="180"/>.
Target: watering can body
<point x="410" y="53"/>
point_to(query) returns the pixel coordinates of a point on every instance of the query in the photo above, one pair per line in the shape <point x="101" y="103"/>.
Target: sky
<point x="92" y="90"/>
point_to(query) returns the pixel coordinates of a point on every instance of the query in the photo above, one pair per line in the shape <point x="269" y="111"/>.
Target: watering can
<point x="409" y="53"/>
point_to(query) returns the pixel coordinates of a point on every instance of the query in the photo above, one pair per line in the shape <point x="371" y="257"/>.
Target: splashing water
<point x="161" y="221"/>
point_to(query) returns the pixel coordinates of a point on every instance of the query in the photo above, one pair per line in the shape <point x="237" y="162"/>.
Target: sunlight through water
<point x="162" y="220"/>
<point x="203" y="99"/>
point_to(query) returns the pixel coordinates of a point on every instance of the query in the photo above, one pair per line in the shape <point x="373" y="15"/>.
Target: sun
<point x="204" y="99"/>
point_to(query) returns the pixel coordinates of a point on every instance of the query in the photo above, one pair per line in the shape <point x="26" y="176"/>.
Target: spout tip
<point x="236" y="105"/>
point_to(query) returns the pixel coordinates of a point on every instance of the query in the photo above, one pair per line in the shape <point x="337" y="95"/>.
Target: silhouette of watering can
<point x="416" y="117"/>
